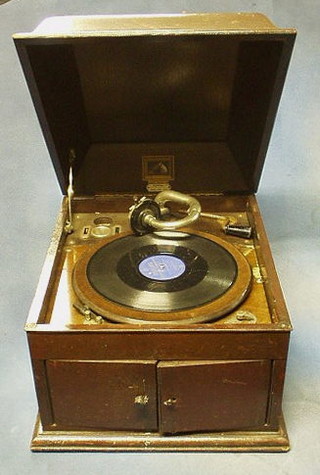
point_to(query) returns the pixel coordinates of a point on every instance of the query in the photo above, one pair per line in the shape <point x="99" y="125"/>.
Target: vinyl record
<point x="162" y="277"/>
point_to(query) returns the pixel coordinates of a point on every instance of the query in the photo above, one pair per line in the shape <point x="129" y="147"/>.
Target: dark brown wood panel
<point x="210" y="396"/>
<point x="103" y="394"/>
<point x="151" y="345"/>
<point x="272" y="285"/>
<point x="276" y="391"/>
<point x="172" y="88"/>
<point x="42" y="391"/>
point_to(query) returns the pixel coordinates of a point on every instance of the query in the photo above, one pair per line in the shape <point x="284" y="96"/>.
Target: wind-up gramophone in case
<point x="159" y="322"/>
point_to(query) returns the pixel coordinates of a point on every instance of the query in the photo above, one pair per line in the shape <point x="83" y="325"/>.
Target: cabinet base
<point x="103" y="441"/>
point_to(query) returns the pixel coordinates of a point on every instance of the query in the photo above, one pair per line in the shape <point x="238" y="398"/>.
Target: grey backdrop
<point x="289" y="199"/>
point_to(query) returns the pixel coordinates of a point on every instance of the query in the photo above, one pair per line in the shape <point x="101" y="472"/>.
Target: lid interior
<point x="209" y="101"/>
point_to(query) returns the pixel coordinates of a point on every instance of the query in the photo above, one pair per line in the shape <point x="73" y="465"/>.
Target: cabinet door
<point x="209" y="396"/>
<point x="109" y="395"/>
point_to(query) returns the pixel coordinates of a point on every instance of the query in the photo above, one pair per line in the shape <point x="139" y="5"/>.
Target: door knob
<point x="170" y="402"/>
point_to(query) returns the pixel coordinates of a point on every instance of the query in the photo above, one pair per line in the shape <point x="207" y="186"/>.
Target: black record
<point x="162" y="272"/>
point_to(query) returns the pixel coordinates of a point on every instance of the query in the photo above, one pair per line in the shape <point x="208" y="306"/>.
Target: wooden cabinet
<point x="159" y="389"/>
<point x="168" y="397"/>
<point x="128" y="387"/>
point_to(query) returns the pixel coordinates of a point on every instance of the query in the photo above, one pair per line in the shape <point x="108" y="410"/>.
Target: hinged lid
<point x="116" y="93"/>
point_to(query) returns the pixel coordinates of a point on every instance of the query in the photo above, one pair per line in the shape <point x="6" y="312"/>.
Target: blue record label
<point x="162" y="267"/>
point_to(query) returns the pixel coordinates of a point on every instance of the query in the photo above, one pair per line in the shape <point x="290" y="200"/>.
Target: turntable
<point x="159" y="322"/>
<point x="162" y="276"/>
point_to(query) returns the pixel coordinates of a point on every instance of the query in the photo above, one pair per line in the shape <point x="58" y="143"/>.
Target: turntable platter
<point x="163" y="277"/>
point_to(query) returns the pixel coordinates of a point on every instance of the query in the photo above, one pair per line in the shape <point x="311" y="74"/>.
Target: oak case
<point x="110" y="93"/>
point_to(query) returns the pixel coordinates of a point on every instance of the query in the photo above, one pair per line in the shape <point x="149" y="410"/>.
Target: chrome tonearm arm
<point x="193" y="210"/>
<point x="147" y="215"/>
